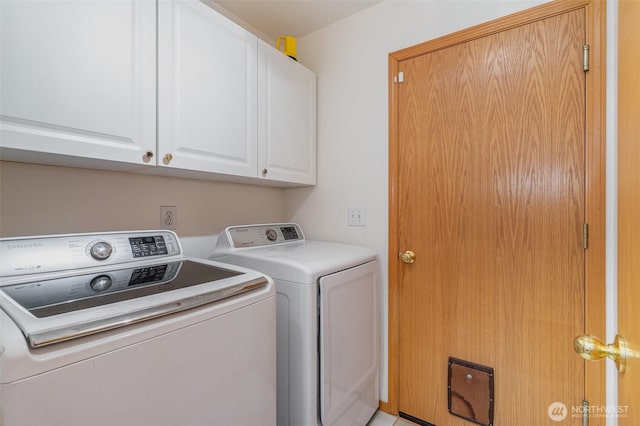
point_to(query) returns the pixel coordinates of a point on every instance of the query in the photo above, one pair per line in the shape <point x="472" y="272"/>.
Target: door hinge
<point x="585" y="412"/>
<point x="585" y="235"/>
<point x="585" y="59"/>
<point x="399" y="78"/>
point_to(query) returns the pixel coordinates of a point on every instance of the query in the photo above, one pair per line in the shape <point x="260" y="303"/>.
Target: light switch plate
<point x="356" y="216"/>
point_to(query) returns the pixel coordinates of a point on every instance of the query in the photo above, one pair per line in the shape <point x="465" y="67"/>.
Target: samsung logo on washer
<point x="23" y="245"/>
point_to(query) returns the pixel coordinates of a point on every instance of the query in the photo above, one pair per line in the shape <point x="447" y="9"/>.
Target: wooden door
<point x="491" y="198"/>
<point x="629" y="206"/>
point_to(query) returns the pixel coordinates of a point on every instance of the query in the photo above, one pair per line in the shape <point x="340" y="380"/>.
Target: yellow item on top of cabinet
<point x="287" y="45"/>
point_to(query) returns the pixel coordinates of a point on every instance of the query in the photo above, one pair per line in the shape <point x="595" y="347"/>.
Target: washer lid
<point x="55" y="310"/>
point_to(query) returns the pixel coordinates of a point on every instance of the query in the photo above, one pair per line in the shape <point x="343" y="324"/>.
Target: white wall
<point x="351" y="61"/>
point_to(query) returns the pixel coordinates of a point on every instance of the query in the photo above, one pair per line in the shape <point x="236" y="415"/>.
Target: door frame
<point x="594" y="177"/>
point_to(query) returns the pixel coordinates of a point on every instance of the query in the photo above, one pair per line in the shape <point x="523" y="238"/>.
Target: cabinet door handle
<point x="147" y="156"/>
<point x="167" y="159"/>
<point x="264" y="172"/>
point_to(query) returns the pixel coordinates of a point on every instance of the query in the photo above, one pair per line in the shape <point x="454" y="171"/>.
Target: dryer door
<point x="349" y="365"/>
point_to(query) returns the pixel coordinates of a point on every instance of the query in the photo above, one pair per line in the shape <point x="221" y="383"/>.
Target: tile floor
<point x="384" y="419"/>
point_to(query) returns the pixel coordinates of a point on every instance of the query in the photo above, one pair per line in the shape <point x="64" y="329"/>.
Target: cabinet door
<point x="286" y="118"/>
<point x="77" y="81"/>
<point x="207" y="91"/>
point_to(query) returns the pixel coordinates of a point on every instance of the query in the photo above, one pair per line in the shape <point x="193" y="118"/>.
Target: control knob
<point x="100" y="283"/>
<point x="101" y="250"/>
<point x="271" y="235"/>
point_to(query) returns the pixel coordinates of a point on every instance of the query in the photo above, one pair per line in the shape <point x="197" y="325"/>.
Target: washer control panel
<point x="263" y="235"/>
<point x="23" y="256"/>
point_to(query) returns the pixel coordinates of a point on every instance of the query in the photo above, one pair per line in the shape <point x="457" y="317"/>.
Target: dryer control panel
<point x="264" y="235"/>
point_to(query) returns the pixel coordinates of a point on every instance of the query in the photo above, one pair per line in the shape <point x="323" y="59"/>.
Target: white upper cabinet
<point x="78" y="81"/>
<point x="286" y="118"/>
<point x="207" y="93"/>
<point x="166" y="87"/>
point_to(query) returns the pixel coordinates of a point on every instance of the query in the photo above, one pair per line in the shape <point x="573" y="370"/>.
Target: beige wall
<point x="37" y="200"/>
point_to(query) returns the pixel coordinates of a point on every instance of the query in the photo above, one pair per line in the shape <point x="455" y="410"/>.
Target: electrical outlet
<point x="356" y="216"/>
<point x="169" y="217"/>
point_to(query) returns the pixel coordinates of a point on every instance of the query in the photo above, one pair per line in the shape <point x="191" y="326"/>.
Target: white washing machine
<point x="122" y="329"/>
<point x="327" y="321"/>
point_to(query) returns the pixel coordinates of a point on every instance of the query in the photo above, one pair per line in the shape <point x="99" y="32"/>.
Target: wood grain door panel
<point x="491" y="198"/>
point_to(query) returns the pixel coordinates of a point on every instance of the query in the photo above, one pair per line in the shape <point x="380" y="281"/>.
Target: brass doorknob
<point x="167" y="159"/>
<point x="591" y="348"/>
<point x="408" y="256"/>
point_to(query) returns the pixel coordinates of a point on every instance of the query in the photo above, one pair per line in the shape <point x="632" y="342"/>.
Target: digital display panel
<point x="289" y="232"/>
<point x="148" y="246"/>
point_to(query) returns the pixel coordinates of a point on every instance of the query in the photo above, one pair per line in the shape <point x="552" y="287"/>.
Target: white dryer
<point x="327" y="321"/>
